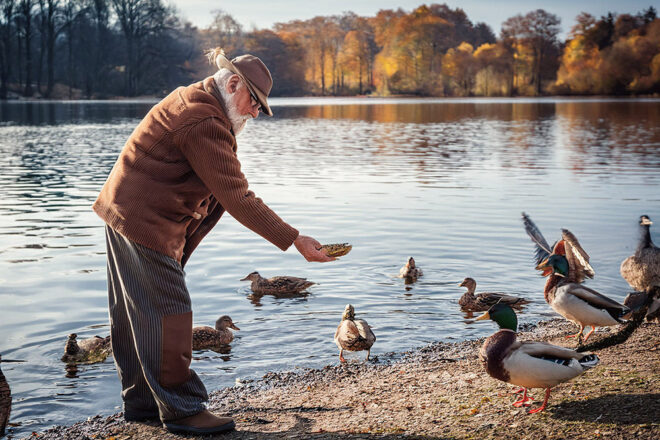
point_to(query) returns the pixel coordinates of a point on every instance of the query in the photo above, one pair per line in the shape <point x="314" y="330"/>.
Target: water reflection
<point x="444" y="180"/>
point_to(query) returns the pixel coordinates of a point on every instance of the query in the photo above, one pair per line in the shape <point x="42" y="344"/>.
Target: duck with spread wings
<point x="566" y="265"/>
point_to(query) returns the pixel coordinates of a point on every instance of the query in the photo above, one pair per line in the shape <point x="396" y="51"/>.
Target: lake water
<point x="442" y="180"/>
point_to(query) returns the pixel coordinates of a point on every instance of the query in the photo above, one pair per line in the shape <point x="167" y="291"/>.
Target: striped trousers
<point x="151" y="328"/>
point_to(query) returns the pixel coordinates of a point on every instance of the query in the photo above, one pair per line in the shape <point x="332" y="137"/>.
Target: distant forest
<point x="125" y="48"/>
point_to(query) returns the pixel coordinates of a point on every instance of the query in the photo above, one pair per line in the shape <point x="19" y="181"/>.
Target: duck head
<point x="349" y="313"/>
<point x="225" y="322"/>
<point x="554" y="264"/>
<point x="411" y="263"/>
<point x="71" y="346"/>
<point x="252" y="277"/>
<point x="469" y="283"/>
<point x="503" y="315"/>
<point x="645" y="221"/>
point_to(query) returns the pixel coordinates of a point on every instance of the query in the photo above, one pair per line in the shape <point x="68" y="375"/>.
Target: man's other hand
<point x="311" y="249"/>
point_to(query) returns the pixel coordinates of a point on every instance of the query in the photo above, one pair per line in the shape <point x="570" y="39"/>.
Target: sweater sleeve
<point x="208" y="147"/>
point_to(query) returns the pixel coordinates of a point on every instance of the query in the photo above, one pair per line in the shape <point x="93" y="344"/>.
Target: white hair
<point x="237" y="120"/>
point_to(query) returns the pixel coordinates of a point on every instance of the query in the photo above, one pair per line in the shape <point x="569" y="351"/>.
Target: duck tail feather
<point x="589" y="360"/>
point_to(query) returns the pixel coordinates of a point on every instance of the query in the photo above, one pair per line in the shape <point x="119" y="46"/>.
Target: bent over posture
<point x="175" y="177"/>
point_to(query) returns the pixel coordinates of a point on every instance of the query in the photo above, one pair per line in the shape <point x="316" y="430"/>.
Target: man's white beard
<point x="237" y="120"/>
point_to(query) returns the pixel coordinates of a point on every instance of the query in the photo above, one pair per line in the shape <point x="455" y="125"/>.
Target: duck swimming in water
<point x="528" y="364"/>
<point x="410" y="272"/>
<point x="207" y="337"/>
<point x="86" y="351"/>
<point x="277" y="285"/>
<point x="483" y="301"/>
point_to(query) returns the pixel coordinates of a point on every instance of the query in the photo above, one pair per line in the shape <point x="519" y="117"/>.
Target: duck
<point x="584" y="306"/>
<point x="277" y="285"/>
<point x="353" y="334"/>
<point x="528" y="364"/>
<point x="568" y="246"/>
<point x="207" y="337"/>
<point x="481" y="302"/>
<point x="410" y="271"/>
<point x="642" y="269"/>
<point x="86" y="351"/>
<point x="5" y="402"/>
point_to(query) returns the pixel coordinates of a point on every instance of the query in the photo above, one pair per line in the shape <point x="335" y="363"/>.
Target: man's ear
<point x="232" y="83"/>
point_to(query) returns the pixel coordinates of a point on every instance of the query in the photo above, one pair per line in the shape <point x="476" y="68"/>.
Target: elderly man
<point x="175" y="177"/>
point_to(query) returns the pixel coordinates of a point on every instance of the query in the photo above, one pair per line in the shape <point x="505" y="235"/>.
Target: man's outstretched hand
<point x="311" y="249"/>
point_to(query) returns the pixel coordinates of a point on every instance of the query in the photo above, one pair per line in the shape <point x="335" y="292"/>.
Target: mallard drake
<point x="568" y="246"/>
<point x="87" y="351"/>
<point x="528" y="364"/>
<point x="276" y="285"/>
<point x="483" y="301"/>
<point x="207" y="337"/>
<point x="642" y="269"/>
<point x="575" y="302"/>
<point x="353" y="334"/>
<point x="410" y="272"/>
<point x="5" y="402"/>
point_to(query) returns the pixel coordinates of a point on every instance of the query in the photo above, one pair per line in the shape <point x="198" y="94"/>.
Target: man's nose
<point x="254" y="113"/>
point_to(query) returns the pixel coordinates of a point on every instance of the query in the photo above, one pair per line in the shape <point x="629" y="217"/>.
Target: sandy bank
<point x="436" y="392"/>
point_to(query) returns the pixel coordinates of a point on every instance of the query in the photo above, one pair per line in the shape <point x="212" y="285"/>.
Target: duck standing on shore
<point x="483" y="301"/>
<point x="5" y="402"/>
<point x="528" y="364"/>
<point x="353" y="334"/>
<point x="410" y="272"/>
<point x="86" y="351"/>
<point x="277" y="285"/>
<point x="575" y="302"/>
<point x="642" y="270"/>
<point x="207" y="337"/>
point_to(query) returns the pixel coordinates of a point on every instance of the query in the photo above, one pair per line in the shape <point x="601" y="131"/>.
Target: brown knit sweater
<point x="179" y="160"/>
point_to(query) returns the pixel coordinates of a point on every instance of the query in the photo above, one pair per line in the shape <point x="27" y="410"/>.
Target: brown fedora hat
<point x="254" y="74"/>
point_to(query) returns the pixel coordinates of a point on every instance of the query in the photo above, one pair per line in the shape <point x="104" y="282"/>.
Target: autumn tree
<point x="534" y="38"/>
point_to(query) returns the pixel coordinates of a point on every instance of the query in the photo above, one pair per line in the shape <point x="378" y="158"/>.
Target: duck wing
<point x="578" y="259"/>
<point x="543" y="249"/>
<point x="365" y="331"/>
<point x="489" y="299"/>
<point x="348" y="336"/>
<point x="597" y="300"/>
<point x="543" y="365"/>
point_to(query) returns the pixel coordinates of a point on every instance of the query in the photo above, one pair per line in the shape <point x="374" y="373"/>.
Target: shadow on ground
<point x="620" y="409"/>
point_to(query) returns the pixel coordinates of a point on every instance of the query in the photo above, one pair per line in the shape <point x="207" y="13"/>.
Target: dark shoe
<point x="141" y="416"/>
<point x="201" y="423"/>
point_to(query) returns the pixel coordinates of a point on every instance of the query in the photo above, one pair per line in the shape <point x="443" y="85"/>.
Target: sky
<point x="262" y="14"/>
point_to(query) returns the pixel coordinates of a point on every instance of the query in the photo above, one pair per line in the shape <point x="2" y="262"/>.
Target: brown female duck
<point x="353" y="334"/>
<point x="483" y="301"/>
<point x="410" y="272"/>
<point x="87" y="351"/>
<point x="207" y="337"/>
<point x="276" y="285"/>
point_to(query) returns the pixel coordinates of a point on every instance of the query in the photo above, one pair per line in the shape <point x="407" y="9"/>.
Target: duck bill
<point x="234" y="326"/>
<point x="482" y="317"/>
<point x="461" y="285"/>
<point x="244" y="279"/>
<point x="543" y="265"/>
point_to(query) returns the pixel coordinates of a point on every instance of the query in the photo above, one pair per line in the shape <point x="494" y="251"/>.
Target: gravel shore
<point x="436" y="392"/>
